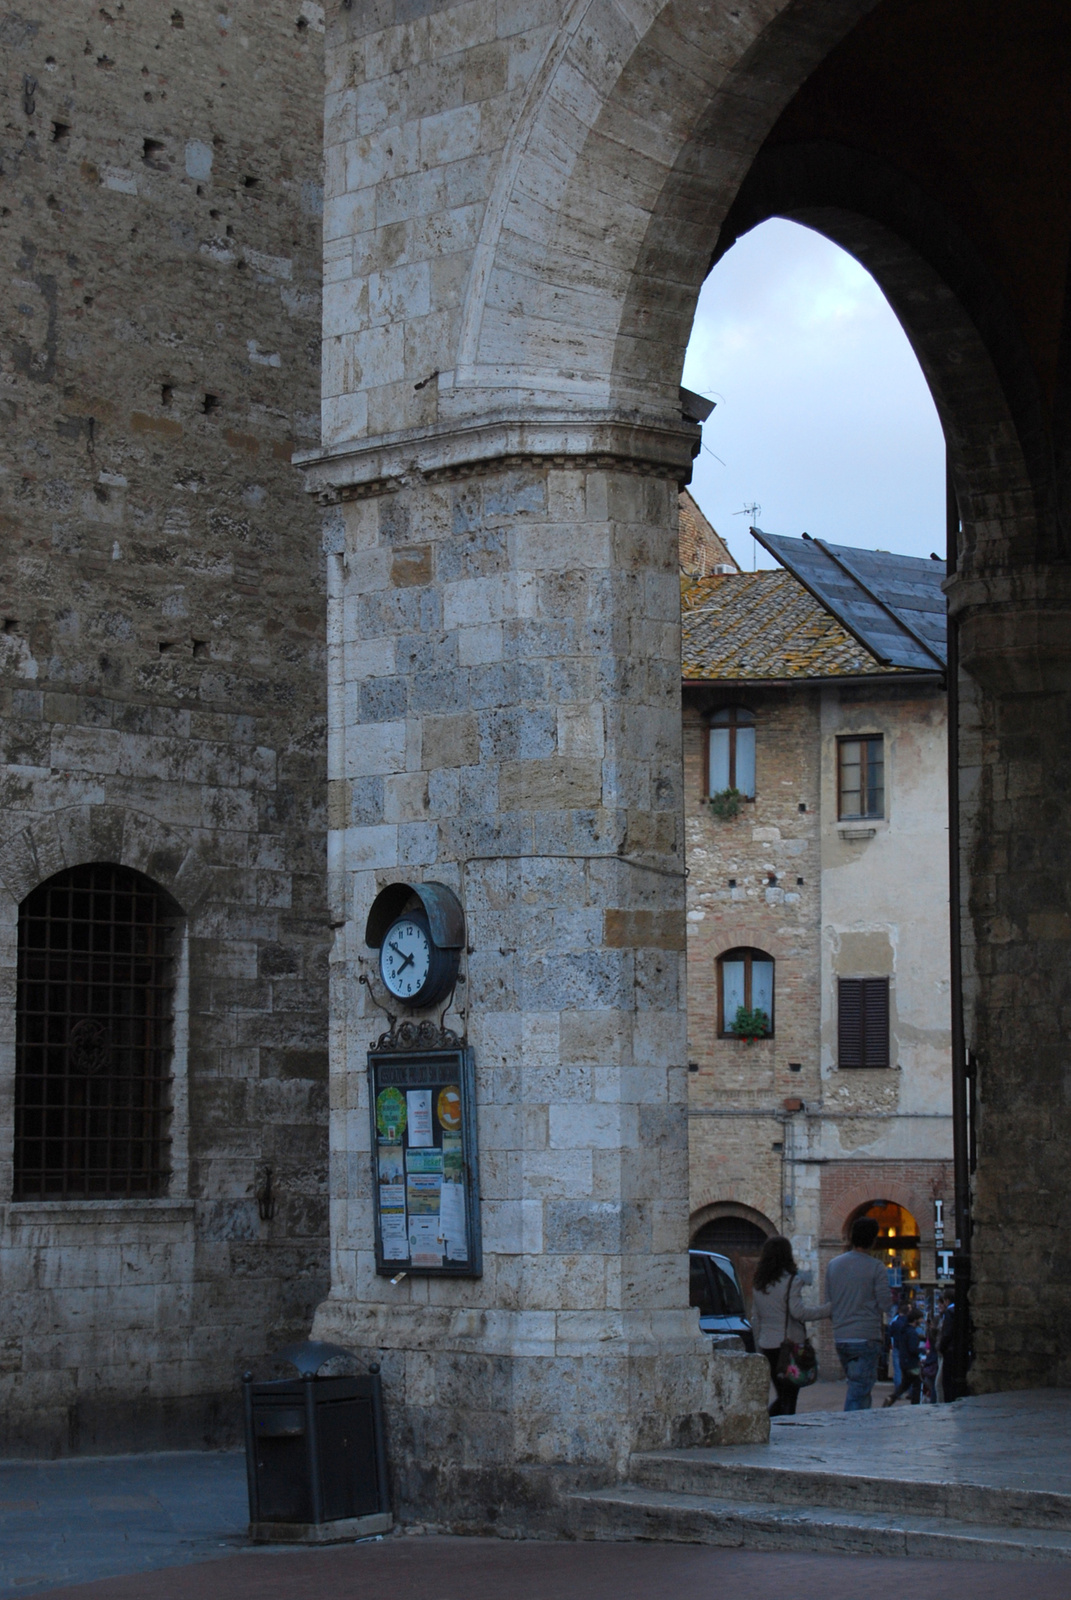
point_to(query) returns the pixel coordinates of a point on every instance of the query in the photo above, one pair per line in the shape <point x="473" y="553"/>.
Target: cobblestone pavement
<point x="69" y="1521"/>
<point x="494" y="1569"/>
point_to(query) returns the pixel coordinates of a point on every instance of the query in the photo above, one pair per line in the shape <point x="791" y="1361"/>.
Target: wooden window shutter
<point x="850" y="1022"/>
<point x="875" y="1022"/>
<point x="863" y="1022"/>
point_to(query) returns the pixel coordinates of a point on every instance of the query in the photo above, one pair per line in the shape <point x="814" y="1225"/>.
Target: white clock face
<point x="405" y="958"/>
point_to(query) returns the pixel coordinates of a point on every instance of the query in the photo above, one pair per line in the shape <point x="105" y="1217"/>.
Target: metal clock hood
<point x="446" y="919"/>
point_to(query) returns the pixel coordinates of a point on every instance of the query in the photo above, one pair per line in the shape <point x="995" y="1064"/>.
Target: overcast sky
<point x="823" y="416"/>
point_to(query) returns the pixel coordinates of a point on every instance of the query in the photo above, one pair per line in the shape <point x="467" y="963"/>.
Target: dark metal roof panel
<point x="894" y="605"/>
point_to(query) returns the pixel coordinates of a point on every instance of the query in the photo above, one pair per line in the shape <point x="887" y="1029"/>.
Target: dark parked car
<point x="714" y="1291"/>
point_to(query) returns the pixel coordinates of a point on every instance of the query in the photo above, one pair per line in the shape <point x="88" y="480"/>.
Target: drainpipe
<point x="962" y="1069"/>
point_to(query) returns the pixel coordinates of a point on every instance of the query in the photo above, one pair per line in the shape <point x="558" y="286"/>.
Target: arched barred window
<point x="94" y="1036"/>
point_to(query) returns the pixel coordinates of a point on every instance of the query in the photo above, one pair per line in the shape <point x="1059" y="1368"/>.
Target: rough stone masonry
<point x="504" y="717"/>
<point x="162" y="690"/>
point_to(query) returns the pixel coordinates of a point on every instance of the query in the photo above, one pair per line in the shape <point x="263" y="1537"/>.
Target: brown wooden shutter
<point x="875" y="1022"/>
<point x="863" y="1022"/>
<point x="850" y="1022"/>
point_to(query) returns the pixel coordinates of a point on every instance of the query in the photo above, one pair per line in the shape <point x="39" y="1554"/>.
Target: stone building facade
<point x="791" y="1133"/>
<point x="162" y="700"/>
<point x="523" y="202"/>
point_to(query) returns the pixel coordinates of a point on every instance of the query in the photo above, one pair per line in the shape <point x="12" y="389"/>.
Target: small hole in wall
<point x="166" y="646"/>
<point x="167" y="394"/>
<point x="777" y="1145"/>
<point x="177" y="19"/>
<point x="200" y="649"/>
<point x="732" y="883"/>
<point x="302" y="24"/>
<point x="211" y="403"/>
<point x="803" y="805"/>
<point x="151" y="149"/>
<point x="799" y="883"/>
<point x="60" y="130"/>
<point x="249" y="182"/>
<point x="11" y="624"/>
<point x="693" y="1066"/>
<point x="795" y="1066"/>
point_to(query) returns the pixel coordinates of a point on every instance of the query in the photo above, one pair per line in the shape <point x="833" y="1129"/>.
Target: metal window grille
<point x="94" y="1026"/>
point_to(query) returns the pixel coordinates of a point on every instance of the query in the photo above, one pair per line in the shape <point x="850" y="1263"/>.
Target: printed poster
<point x="455" y="1242"/>
<point x="419" y="1108"/>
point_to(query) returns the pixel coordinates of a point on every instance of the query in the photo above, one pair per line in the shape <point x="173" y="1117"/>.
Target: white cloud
<point x="823" y="416"/>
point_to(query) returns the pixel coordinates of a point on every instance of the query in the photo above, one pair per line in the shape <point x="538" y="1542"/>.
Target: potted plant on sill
<point x="725" y="804"/>
<point x="750" y="1025"/>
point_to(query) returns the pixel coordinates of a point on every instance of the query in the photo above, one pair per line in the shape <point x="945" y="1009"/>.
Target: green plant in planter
<point x="750" y="1025"/>
<point x="726" y="804"/>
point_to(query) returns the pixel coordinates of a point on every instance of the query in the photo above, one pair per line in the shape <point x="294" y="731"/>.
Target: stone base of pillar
<point x="494" y="1415"/>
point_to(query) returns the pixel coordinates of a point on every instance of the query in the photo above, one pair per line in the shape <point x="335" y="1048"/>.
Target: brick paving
<point x="172" y="1527"/>
<point x="491" y="1569"/>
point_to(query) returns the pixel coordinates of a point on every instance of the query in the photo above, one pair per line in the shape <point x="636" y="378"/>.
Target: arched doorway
<point x="737" y="1237"/>
<point x="898" y="1243"/>
<point x="506" y="436"/>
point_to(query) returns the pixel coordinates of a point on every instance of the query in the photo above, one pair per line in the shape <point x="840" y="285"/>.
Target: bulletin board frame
<point x="433" y="1138"/>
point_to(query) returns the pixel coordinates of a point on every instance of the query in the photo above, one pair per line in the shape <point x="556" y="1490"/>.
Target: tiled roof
<point x="763" y="625"/>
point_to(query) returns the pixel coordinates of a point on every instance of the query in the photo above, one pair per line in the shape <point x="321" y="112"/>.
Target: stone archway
<point x="517" y="229"/>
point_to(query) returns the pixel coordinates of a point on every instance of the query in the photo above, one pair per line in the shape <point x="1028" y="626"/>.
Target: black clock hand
<point x="407" y="961"/>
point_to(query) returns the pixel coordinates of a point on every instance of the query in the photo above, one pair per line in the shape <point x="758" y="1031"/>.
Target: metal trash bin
<point x="315" y="1452"/>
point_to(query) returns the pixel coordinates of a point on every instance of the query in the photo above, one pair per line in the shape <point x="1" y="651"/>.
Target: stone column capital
<point x="657" y="446"/>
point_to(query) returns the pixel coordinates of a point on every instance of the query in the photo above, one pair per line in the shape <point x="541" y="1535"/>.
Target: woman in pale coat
<point x="775" y="1282"/>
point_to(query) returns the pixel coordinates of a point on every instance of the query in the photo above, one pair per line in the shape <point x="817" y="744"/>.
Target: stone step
<point x="714" y="1474"/>
<point x="632" y="1511"/>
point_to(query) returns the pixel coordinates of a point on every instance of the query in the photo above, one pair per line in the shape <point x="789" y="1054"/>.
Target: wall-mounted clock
<point x="414" y="968"/>
<point x="419" y="930"/>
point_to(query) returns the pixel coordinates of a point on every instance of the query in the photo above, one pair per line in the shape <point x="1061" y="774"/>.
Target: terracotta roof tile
<point x="763" y="625"/>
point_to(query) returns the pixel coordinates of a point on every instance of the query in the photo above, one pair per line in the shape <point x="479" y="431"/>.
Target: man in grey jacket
<point x="857" y="1288"/>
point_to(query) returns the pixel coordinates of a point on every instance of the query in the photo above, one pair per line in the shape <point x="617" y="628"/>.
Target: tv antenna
<point x="752" y="513"/>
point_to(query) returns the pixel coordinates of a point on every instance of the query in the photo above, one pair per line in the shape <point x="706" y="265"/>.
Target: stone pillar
<point x="1016" y="780"/>
<point x="505" y="718"/>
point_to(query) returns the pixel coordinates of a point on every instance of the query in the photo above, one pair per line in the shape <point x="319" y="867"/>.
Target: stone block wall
<point x="504" y="664"/>
<point x="161" y="671"/>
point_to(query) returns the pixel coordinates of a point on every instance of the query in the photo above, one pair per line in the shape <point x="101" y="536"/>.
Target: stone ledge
<point x="493" y="444"/>
<point x="344" y="1531"/>
<point x="30" y="1213"/>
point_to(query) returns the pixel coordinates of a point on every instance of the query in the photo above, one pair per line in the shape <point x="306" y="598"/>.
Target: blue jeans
<point x="859" y="1358"/>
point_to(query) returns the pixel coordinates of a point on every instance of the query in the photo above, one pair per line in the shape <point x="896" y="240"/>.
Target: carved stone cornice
<point x="658" y="448"/>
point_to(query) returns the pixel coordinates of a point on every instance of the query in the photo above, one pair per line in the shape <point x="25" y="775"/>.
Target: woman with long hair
<point x="778" y="1312"/>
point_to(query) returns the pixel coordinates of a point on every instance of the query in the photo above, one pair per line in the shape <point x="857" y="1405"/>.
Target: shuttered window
<point x="863" y="1022"/>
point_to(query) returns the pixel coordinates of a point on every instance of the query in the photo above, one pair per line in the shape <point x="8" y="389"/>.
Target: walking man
<point x="857" y="1288"/>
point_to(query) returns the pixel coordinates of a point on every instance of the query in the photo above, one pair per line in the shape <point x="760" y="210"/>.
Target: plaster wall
<point x="885" y="913"/>
<point x="775" y="1127"/>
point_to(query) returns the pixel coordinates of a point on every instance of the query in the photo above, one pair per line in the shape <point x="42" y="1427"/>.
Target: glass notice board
<point x="425" y="1174"/>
